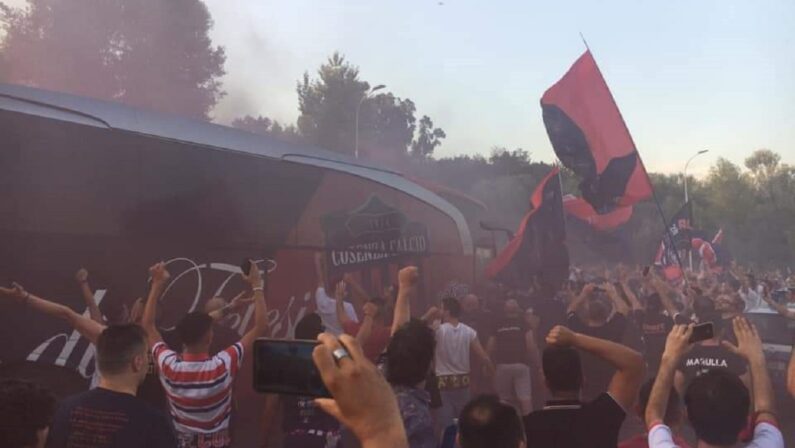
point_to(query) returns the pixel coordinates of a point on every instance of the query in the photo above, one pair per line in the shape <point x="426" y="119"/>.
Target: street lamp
<point x="366" y="95"/>
<point x="687" y="198"/>
<point x="703" y="151"/>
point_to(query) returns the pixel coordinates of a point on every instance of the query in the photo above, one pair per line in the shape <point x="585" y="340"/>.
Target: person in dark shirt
<point x="565" y="421"/>
<point x="654" y="326"/>
<point x="111" y="416"/>
<point x="709" y="355"/>
<point x="25" y="413"/>
<point x="512" y="347"/>
<point x="599" y="312"/>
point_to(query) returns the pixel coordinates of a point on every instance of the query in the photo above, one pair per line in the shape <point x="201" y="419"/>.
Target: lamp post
<point x="366" y="95"/>
<point x="687" y="198"/>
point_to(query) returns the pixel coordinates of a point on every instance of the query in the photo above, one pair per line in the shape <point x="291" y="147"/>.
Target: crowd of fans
<point x="509" y="369"/>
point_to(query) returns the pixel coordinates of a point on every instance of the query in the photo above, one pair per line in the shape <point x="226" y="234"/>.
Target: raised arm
<point x="340" y="292"/>
<point x="320" y="271"/>
<point x="87" y="327"/>
<point x="358" y="295"/>
<point x="88" y="296"/>
<point x="749" y="346"/>
<point x="580" y="299"/>
<point x="780" y="309"/>
<point x="407" y="288"/>
<point x="629" y="364"/>
<point x="160" y="276"/>
<point x="254" y="279"/>
<point x="676" y="346"/>
<point x="619" y="304"/>
<point x="633" y="299"/>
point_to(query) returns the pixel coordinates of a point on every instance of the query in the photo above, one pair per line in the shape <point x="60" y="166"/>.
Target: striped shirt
<point x="199" y="387"/>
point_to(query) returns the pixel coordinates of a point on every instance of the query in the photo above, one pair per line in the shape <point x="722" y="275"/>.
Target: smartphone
<point x="646" y="270"/>
<point x="702" y="332"/>
<point x="286" y="367"/>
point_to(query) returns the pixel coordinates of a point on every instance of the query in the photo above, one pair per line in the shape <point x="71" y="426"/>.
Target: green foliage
<point x="154" y="54"/>
<point x="265" y="126"/>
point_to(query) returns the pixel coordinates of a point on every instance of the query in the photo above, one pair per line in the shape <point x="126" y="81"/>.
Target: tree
<point x="387" y="123"/>
<point x="428" y="138"/>
<point x="265" y="126"/>
<point x="154" y="54"/>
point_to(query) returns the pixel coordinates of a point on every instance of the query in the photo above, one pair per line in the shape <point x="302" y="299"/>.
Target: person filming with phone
<point x="717" y="402"/>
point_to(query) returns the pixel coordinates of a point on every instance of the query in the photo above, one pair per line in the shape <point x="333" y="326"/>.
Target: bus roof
<point x="115" y="116"/>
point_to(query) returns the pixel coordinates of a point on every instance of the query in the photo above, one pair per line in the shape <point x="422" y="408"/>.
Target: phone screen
<point x="702" y="332"/>
<point x="286" y="367"/>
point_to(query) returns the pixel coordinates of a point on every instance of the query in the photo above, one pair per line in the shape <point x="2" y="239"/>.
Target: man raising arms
<point x="198" y="385"/>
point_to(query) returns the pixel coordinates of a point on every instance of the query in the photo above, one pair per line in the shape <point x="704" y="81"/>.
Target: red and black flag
<point x="537" y="254"/>
<point x="590" y="137"/>
<point x="584" y="211"/>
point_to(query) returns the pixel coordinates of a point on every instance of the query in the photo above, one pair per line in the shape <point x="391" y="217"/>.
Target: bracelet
<point x="257" y="288"/>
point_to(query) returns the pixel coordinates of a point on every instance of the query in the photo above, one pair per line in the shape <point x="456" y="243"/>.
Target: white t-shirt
<point x="453" y="348"/>
<point x="751" y="298"/>
<point x="765" y="436"/>
<point x="327" y="309"/>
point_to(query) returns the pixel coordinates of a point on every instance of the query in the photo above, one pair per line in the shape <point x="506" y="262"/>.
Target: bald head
<point x="470" y="303"/>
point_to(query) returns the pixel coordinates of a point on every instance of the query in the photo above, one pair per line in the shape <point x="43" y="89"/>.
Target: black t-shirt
<point x="101" y="418"/>
<point x="550" y="312"/>
<point x="702" y="358"/>
<point x="596" y="371"/>
<point x="654" y="328"/>
<point x="509" y="335"/>
<point x="571" y="424"/>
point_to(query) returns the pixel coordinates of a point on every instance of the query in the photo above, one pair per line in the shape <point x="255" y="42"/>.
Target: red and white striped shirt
<point x="199" y="387"/>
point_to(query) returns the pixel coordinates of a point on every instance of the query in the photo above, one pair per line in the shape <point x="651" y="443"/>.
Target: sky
<point x="687" y="75"/>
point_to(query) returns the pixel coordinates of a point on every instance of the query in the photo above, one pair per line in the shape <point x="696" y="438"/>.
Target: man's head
<point x="512" y="308"/>
<point x="673" y="411"/>
<point x="309" y="327"/>
<point x="487" y="423"/>
<point x="562" y="370"/>
<point x="451" y="308"/>
<point x="470" y="304"/>
<point x="196" y="331"/>
<point x="122" y="353"/>
<point x="409" y="354"/>
<point x="26" y="412"/>
<point x="717" y="405"/>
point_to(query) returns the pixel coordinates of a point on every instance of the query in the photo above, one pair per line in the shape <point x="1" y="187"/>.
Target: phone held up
<point x="245" y="267"/>
<point x="286" y="367"/>
<point x="702" y="332"/>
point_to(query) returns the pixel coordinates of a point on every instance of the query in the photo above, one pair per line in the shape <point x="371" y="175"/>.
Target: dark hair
<point x="309" y="327"/>
<point x="409" y="354"/>
<point x="117" y="345"/>
<point x="193" y="327"/>
<point x="452" y="305"/>
<point x="673" y="411"/>
<point x="654" y="303"/>
<point x="486" y="422"/>
<point x="25" y="409"/>
<point x="562" y="369"/>
<point x="717" y="406"/>
<point x="598" y="310"/>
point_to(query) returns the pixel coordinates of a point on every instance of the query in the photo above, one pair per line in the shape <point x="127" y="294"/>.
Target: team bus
<point x="94" y="184"/>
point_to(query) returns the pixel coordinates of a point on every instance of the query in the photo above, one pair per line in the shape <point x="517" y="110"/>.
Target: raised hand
<point x="16" y="292"/>
<point x="749" y="344"/>
<point x="678" y="342"/>
<point x="81" y="276"/>
<point x="341" y="290"/>
<point x="363" y="401"/>
<point x="254" y="276"/>
<point x="561" y="336"/>
<point x="408" y="277"/>
<point x="159" y="273"/>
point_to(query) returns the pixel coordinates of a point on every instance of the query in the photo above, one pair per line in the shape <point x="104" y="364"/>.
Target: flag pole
<point x="640" y="159"/>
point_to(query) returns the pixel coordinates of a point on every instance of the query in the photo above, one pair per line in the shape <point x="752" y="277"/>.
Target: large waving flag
<point x="590" y="137"/>
<point x="582" y="210"/>
<point x="537" y="253"/>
